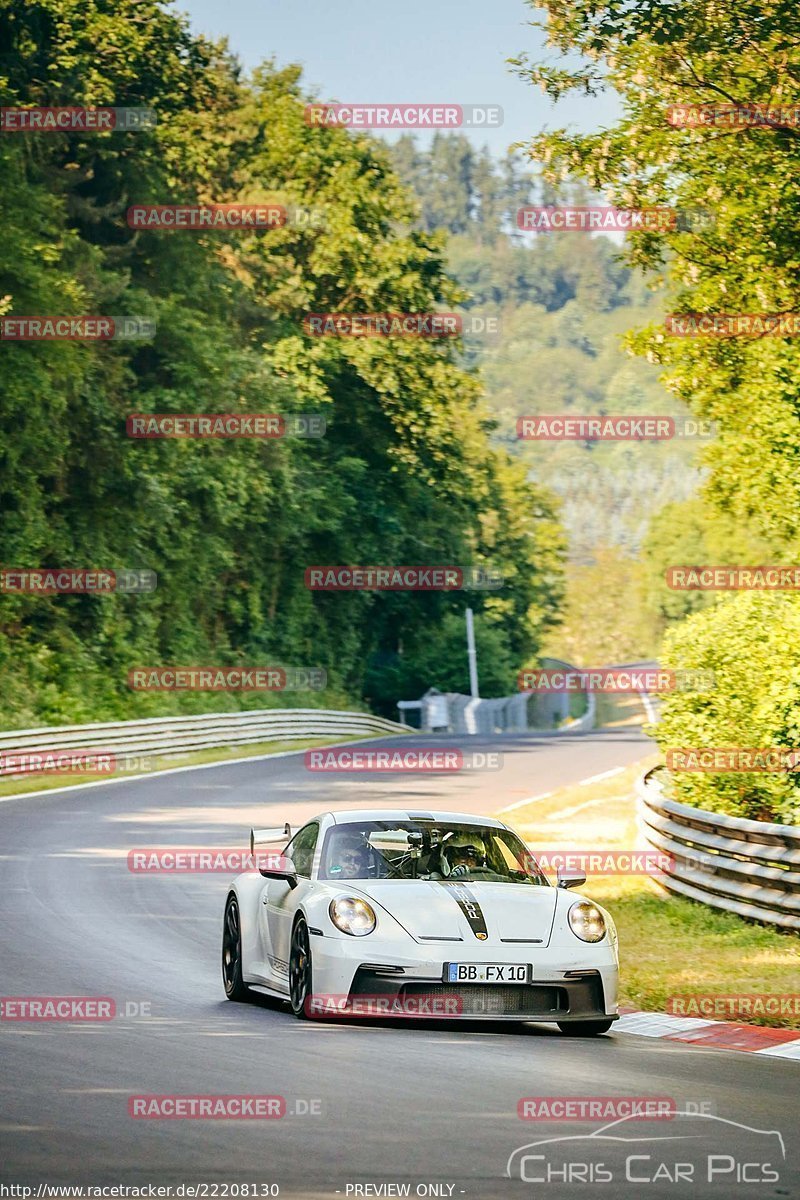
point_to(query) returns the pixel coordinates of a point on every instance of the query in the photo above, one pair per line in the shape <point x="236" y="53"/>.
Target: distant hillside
<point x="563" y="301"/>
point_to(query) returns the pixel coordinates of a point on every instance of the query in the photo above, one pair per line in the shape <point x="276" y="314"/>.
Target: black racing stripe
<point x="467" y="901"/>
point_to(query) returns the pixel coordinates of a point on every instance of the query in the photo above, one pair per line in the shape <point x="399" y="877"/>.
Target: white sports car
<point x="403" y="913"/>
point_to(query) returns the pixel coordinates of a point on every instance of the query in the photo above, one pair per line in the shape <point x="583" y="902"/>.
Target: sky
<point x="422" y="51"/>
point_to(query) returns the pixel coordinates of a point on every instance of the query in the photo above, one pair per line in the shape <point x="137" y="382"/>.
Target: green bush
<point x="752" y="644"/>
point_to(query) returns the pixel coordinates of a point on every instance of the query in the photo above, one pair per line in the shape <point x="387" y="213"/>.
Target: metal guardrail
<point x="536" y="711"/>
<point x="166" y="735"/>
<point x="751" y="868"/>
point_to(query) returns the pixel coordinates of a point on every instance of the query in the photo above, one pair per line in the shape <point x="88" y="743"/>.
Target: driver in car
<point x="350" y="860"/>
<point x="463" y="855"/>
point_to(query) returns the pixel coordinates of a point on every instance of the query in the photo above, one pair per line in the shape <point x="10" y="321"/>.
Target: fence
<point x="750" y="868"/>
<point x="167" y="735"/>
<point x="455" y="713"/>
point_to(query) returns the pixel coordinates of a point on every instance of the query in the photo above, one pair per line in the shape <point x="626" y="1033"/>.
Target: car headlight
<point x="587" y="922"/>
<point x="352" y="915"/>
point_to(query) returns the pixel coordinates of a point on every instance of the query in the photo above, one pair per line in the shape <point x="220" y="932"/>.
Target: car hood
<point x="430" y="910"/>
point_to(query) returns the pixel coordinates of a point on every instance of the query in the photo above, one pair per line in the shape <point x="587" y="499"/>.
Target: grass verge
<point x="619" y="708"/>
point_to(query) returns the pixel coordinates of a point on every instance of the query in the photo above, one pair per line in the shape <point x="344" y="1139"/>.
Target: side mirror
<point x="281" y="868"/>
<point x="570" y="881"/>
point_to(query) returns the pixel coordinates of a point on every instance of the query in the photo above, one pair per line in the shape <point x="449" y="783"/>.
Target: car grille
<point x="488" y="1000"/>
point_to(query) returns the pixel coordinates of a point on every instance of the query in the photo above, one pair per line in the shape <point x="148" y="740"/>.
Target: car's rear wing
<point x="269" y="837"/>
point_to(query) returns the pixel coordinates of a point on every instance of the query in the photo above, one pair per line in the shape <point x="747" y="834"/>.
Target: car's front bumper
<point x="572" y="996"/>
<point x="564" y="987"/>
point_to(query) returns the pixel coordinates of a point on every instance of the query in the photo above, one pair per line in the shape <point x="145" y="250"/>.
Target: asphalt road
<point x="371" y="1104"/>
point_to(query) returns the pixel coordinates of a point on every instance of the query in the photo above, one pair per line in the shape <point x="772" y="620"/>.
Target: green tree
<point x="657" y="55"/>
<point x="605" y="620"/>
<point x="405" y="475"/>
<point x="750" y="644"/>
<point x="692" y="533"/>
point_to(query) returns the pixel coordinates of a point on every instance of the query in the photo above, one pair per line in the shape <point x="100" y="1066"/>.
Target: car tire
<point x="300" y="970"/>
<point x="235" y="986"/>
<point x="584" y="1028"/>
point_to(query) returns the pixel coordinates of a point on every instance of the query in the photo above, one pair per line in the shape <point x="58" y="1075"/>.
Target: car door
<point x="279" y="902"/>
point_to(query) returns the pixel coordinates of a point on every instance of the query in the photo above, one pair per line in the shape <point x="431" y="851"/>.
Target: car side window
<point x="301" y="849"/>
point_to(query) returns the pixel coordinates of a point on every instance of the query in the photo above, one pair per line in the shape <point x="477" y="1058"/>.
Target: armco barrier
<point x="535" y="711"/>
<point x="751" y="868"/>
<point x="167" y="735"/>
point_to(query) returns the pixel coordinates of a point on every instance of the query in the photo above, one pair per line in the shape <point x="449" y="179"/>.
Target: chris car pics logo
<point x="696" y="1150"/>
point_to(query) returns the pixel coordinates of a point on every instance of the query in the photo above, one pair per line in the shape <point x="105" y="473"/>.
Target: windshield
<point x="438" y="850"/>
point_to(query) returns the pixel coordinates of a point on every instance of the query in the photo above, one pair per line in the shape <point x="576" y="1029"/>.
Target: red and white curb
<point x="718" y="1035"/>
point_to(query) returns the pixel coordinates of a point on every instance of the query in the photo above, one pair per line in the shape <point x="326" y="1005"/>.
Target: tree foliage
<point x="751" y="643"/>
<point x="656" y="55"/>
<point x="563" y="302"/>
<point x="405" y="474"/>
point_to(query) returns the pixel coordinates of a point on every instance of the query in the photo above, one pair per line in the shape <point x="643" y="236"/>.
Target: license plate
<point x="488" y="972"/>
